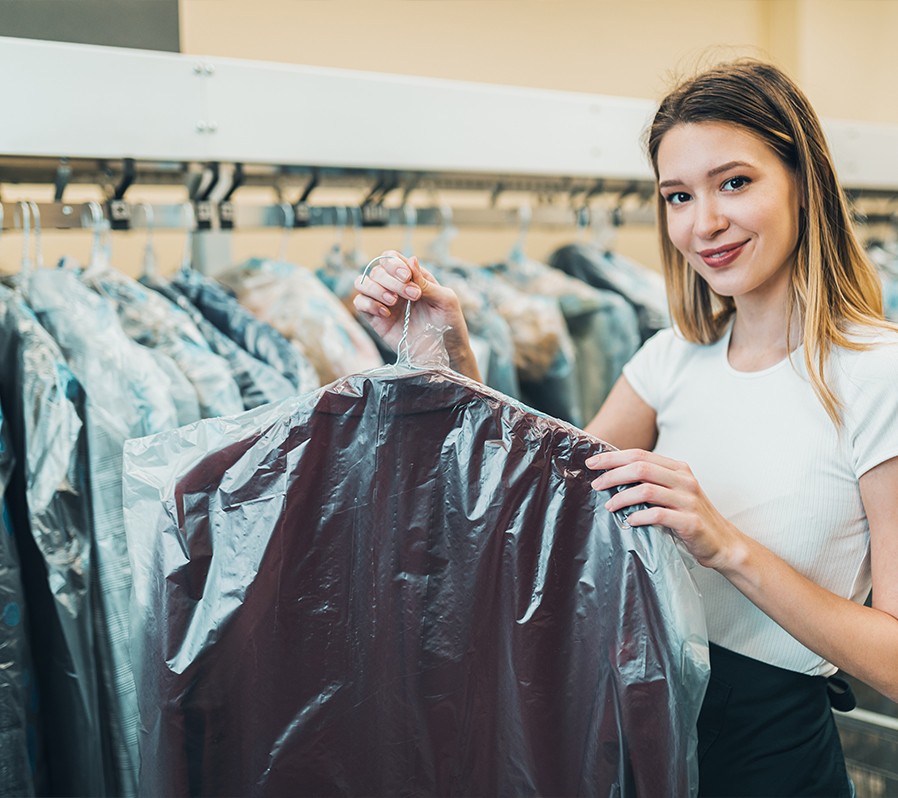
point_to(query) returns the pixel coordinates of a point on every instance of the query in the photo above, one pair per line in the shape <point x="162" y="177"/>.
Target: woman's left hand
<point x="676" y="501"/>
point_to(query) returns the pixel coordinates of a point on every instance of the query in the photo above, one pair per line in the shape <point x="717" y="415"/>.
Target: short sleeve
<point x="646" y="370"/>
<point x="869" y="393"/>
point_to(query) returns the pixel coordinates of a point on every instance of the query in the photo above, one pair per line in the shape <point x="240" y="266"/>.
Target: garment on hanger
<point x="603" y="326"/>
<point x="640" y="286"/>
<point x="154" y="322"/>
<point x="126" y="398"/>
<point x="885" y="257"/>
<point x="299" y="306"/>
<point x="411" y="588"/>
<point x="258" y="382"/>
<point x="49" y="505"/>
<point x="497" y="363"/>
<point x="237" y="323"/>
<point x="17" y="721"/>
<point x="180" y="389"/>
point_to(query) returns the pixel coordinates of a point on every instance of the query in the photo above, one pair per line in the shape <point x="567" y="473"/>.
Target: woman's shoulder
<point x="871" y="352"/>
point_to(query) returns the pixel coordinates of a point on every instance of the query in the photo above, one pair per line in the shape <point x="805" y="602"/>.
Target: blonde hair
<point x="834" y="285"/>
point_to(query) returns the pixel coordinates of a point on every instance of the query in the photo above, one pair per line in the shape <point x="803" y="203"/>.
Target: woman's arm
<point x="861" y="640"/>
<point x="625" y="420"/>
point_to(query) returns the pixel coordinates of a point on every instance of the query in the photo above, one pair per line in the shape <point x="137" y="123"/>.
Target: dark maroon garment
<point x="403" y="584"/>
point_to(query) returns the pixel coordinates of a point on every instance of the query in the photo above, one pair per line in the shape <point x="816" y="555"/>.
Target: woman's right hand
<point x="397" y="280"/>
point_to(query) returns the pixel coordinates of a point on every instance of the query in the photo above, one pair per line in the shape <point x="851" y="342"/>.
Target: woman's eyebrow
<point x="713" y="173"/>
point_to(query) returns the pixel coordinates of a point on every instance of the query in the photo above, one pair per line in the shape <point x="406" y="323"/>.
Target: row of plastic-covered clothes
<point x="279" y="602"/>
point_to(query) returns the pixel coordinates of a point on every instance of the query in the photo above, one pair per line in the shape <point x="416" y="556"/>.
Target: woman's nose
<point x="709" y="221"/>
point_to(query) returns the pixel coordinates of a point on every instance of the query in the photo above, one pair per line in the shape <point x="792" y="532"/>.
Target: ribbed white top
<point x="771" y="460"/>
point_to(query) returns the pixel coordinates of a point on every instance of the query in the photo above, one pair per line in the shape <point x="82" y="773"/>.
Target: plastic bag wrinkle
<point x="473" y="651"/>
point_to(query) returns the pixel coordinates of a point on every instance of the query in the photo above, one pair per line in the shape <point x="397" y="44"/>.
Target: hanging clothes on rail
<point x="542" y="348"/>
<point x="603" y="326"/>
<point x="233" y="320"/>
<point x="154" y="322"/>
<point x="127" y="397"/>
<point x="885" y="257"/>
<point x="411" y="589"/>
<point x="258" y="382"/>
<point x="299" y="306"/>
<point x="601" y="268"/>
<point x="50" y="507"/>
<point x="18" y="721"/>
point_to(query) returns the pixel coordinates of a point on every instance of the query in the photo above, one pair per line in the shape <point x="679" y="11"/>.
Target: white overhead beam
<point x="82" y="101"/>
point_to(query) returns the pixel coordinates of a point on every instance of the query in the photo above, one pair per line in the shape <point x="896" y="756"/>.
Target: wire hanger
<point x="38" y="246"/>
<point x="149" y="250"/>
<point x="289" y="221"/>
<point x="189" y="217"/>
<point x="23" y="216"/>
<point x="439" y="247"/>
<point x="93" y="217"/>
<point x="411" y="222"/>
<point x="525" y="215"/>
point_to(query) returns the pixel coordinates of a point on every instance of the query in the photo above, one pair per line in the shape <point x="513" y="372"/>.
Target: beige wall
<point x="841" y="51"/>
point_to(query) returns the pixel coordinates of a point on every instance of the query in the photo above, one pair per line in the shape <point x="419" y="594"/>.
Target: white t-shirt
<point x="770" y="459"/>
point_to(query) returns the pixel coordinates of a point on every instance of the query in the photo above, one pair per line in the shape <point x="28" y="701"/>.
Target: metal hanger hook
<point x="403" y="341"/>
<point x="38" y="247"/>
<point x="24" y="214"/>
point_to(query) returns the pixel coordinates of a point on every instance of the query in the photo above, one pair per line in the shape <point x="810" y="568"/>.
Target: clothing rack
<point x="230" y="216"/>
<point x="114" y="117"/>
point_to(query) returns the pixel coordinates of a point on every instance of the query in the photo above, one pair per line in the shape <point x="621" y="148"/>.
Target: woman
<point x="762" y="429"/>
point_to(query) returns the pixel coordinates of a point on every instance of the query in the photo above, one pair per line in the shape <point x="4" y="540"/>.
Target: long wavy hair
<point x="834" y="285"/>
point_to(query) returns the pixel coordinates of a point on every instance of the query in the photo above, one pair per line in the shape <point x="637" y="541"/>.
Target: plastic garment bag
<point x="403" y="584"/>
<point x="258" y="382"/>
<point x="16" y="678"/>
<point x="50" y="507"/>
<point x="259" y="339"/>
<point x="151" y="320"/>
<point x="126" y="398"/>
<point x="640" y="286"/>
<point x="299" y="306"/>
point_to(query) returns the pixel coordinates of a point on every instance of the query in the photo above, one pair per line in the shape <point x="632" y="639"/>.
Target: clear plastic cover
<point x="403" y="584"/>
<point x="233" y="320"/>
<point x="151" y="320"/>
<point x="50" y="510"/>
<point x="301" y="308"/>
<point x="126" y="397"/>
<point x="259" y="383"/>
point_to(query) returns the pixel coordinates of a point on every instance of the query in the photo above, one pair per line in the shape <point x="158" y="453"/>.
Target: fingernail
<point x="403" y="273"/>
<point x="389" y="297"/>
<point x="413" y="292"/>
<point x="384" y="312"/>
<point x="608" y="504"/>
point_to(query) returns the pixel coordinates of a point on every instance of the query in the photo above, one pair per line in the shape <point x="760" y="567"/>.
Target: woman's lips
<point x="722" y="256"/>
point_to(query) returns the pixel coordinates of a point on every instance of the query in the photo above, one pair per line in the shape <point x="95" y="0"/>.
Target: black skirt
<point x="765" y="731"/>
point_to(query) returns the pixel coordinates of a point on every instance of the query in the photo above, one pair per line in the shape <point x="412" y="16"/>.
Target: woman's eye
<point x="677" y="198"/>
<point x="735" y="183"/>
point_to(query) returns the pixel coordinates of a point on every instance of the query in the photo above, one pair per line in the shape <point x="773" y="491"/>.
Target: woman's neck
<point x="762" y="335"/>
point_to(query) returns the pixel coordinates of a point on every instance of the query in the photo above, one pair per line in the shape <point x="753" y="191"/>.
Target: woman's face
<point x="732" y="208"/>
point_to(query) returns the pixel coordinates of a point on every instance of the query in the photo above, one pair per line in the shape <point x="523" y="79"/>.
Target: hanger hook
<point x="289" y="221"/>
<point x="24" y="213"/>
<point x="38" y="248"/>
<point x="149" y="250"/>
<point x="411" y="222"/>
<point x="525" y="214"/>
<point x="92" y="216"/>
<point x="189" y="221"/>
